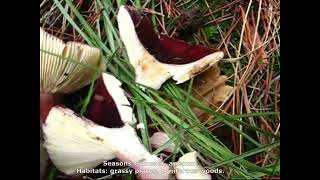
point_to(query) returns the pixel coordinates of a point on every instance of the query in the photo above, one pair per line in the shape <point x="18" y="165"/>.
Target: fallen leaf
<point x="210" y="86"/>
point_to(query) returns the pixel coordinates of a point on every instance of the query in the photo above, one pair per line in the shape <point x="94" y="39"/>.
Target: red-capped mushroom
<point x="155" y="57"/>
<point x="63" y="70"/>
<point x="74" y="143"/>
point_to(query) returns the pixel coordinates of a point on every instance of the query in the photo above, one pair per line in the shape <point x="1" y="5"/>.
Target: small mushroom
<point x="158" y="139"/>
<point x="188" y="167"/>
<point x="75" y="142"/>
<point x="64" y="68"/>
<point x="156" y="58"/>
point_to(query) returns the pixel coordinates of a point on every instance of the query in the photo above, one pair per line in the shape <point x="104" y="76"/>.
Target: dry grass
<point x="256" y="73"/>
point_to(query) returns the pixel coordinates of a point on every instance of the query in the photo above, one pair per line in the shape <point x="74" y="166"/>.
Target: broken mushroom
<point x="188" y="167"/>
<point x="109" y="106"/>
<point x="64" y="68"/>
<point x="75" y="142"/>
<point x="156" y="58"/>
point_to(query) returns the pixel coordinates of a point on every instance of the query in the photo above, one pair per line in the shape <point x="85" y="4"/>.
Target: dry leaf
<point x="211" y="87"/>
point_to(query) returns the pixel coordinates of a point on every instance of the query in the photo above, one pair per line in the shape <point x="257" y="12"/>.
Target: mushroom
<point x="158" y="139"/>
<point x="188" y="167"/>
<point x="109" y="106"/>
<point x="64" y="68"/>
<point x="155" y="57"/>
<point x="74" y="143"/>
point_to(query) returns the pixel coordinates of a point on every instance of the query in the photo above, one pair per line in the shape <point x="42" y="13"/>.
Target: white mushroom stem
<point x="188" y="167"/>
<point x="75" y="143"/>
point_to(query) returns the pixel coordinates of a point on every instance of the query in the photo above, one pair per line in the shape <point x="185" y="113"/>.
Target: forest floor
<point x="238" y="132"/>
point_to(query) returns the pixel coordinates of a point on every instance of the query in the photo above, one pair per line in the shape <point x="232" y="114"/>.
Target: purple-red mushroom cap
<point x="156" y="58"/>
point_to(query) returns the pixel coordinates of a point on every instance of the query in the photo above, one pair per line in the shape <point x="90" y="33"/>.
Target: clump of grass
<point x="252" y="113"/>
